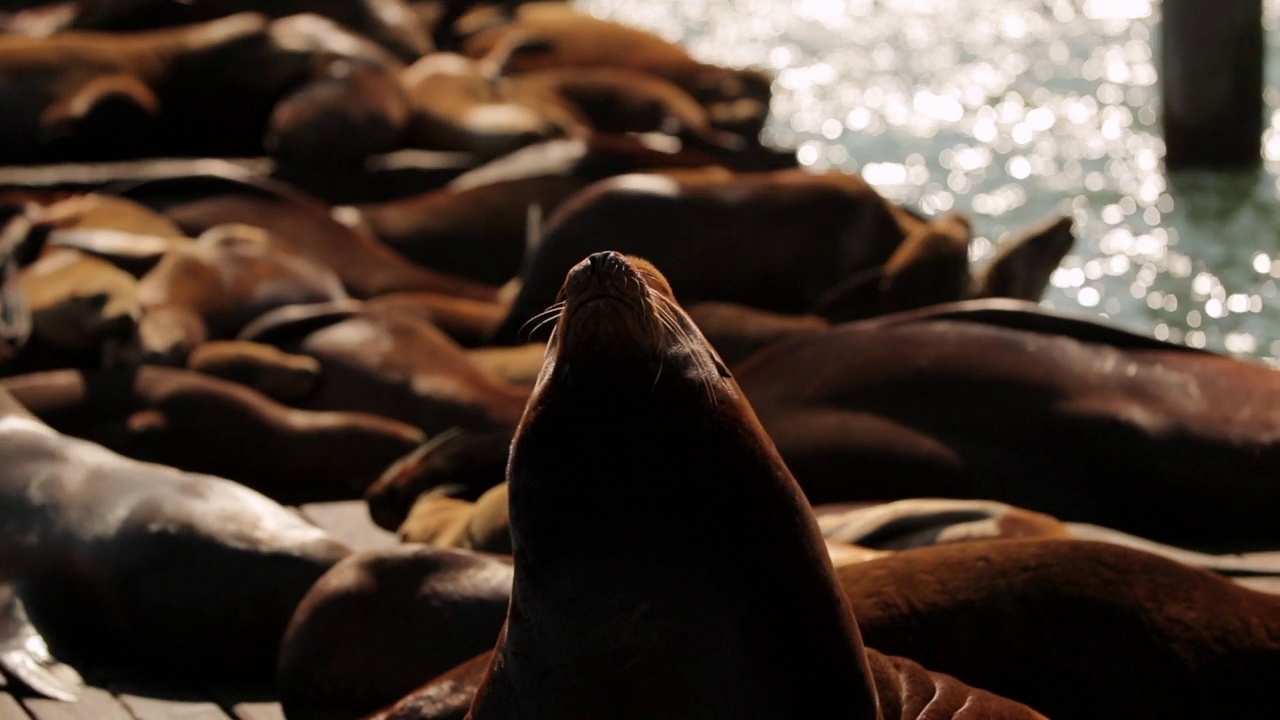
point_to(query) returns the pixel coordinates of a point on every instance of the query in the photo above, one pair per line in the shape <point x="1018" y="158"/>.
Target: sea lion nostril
<point x="602" y="261"/>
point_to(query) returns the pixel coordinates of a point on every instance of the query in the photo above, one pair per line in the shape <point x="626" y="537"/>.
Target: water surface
<point x="1011" y="111"/>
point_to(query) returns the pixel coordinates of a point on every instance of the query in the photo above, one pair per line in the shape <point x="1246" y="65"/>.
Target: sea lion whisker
<point x="541" y="318"/>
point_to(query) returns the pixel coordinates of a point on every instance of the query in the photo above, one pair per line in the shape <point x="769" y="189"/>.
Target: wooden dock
<point x="114" y="699"/>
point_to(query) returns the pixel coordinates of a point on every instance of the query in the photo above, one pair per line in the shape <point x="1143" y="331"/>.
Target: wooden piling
<point x="1211" y="80"/>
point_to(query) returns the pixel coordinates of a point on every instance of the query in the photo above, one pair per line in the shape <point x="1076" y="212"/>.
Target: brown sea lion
<point x="449" y="605"/>
<point x="128" y="234"/>
<point x="738" y="331"/>
<point x="517" y="364"/>
<point x="183" y="573"/>
<point x="627" y="371"/>
<point x="737" y="99"/>
<point x="1064" y="416"/>
<point x="203" y="424"/>
<point x="388" y="22"/>
<point x="280" y="376"/>
<point x="834" y="225"/>
<point x="467" y="321"/>
<point x="446" y="697"/>
<point x="84" y="95"/>
<point x="1022" y="265"/>
<point x="465" y="464"/>
<point x="1074" y="628"/>
<point x="479" y="225"/>
<point x="229" y="276"/>
<point x="931" y="266"/>
<point x="388" y="363"/>
<point x="366" y="266"/>
<point x="80" y="308"/>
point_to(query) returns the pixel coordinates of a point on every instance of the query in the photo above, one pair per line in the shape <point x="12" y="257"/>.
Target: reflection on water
<point x="1012" y="110"/>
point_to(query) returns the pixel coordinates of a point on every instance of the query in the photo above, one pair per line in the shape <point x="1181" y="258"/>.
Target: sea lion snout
<point x="604" y="262"/>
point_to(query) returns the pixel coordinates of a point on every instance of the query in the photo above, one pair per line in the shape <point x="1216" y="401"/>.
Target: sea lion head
<point x="618" y="317"/>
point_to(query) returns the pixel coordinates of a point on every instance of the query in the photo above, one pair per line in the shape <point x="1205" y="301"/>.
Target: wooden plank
<point x="94" y="704"/>
<point x="178" y="708"/>
<point x="248" y="706"/>
<point x="10" y="709"/>
<point x="349" y="522"/>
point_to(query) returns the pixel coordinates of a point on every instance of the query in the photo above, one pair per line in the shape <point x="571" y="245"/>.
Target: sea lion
<point x="834" y="225"/>
<point x="81" y="309"/>
<point x="388" y="22"/>
<point x="999" y="406"/>
<point x="448" y="606"/>
<point x="930" y="267"/>
<point x="920" y="522"/>
<point x="1022" y="265"/>
<point x="738" y="331"/>
<point x="479" y="225"/>
<point x="466" y="464"/>
<point x="229" y="276"/>
<point x="389" y="363"/>
<point x="280" y="376"/>
<point x="517" y="364"/>
<point x="87" y="95"/>
<point x="183" y="573"/>
<point x="467" y="321"/>
<point x="656" y="630"/>
<point x="443" y="521"/>
<point x="1073" y="627"/>
<point x="446" y="697"/>
<point x="202" y="424"/>
<point x="25" y="657"/>
<point x="366" y="266"/>
<point x="737" y="99"/>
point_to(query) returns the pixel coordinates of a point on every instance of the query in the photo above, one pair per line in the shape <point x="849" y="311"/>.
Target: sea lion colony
<point x="669" y="426"/>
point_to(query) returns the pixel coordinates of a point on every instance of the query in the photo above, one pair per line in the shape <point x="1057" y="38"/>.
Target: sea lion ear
<point x="107" y="94"/>
<point x="721" y="368"/>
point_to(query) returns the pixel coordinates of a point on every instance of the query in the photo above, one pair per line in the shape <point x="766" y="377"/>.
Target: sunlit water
<point x="1013" y="110"/>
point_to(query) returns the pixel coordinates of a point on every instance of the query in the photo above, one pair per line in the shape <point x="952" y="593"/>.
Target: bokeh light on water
<point x="1013" y="110"/>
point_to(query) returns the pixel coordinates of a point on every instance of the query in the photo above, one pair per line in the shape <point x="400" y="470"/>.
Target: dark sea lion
<point x="794" y="235"/>
<point x="443" y="521"/>
<point x="1072" y="628"/>
<point x="467" y="464"/>
<point x="183" y="573"/>
<point x="1022" y="265"/>
<point x="479" y="225"/>
<point x="229" y="276"/>
<point x="366" y="266"/>
<point x="920" y="522"/>
<point x="628" y="371"/>
<point x="738" y="331"/>
<point x="80" y="308"/>
<point x="278" y="375"/>
<point x="931" y="266"/>
<point x="388" y="363"/>
<point x="933" y="405"/>
<point x="467" y="321"/>
<point x="448" y="606"/>
<point x="203" y="424"/>
<point x="388" y="22"/>
<point x="737" y="99"/>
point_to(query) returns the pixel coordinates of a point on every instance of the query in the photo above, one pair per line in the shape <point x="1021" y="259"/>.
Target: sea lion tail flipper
<point x="62" y="117"/>
<point x="497" y="62"/>
<point x="25" y="657"/>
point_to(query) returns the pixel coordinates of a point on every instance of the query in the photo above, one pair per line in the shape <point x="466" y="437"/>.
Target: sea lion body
<point x="151" y="558"/>
<point x="280" y="376"/>
<point x="994" y="410"/>
<point x="791" y="235"/>
<point x="738" y="331"/>
<point x="451" y="604"/>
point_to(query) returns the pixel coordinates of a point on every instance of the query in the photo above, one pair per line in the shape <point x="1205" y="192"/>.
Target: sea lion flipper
<point x="25" y="657"/>
<point x="62" y="117"/>
<point x="1022" y="266"/>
